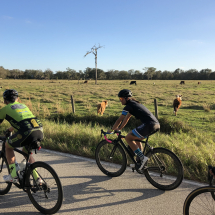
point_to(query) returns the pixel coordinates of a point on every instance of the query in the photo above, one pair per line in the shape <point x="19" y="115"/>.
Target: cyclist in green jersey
<point x="28" y="129"/>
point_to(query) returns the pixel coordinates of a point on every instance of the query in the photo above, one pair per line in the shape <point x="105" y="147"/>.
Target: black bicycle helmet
<point x="125" y="93"/>
<point x="10" y="94"/>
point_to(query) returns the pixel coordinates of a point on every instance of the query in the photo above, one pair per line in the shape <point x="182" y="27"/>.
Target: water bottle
<point x="17" y="166"/>
<point x="22" y="165"/>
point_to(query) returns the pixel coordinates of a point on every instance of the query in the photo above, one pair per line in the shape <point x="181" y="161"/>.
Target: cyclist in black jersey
<point x="150" y="123"/>
<point x="28" y="129"/>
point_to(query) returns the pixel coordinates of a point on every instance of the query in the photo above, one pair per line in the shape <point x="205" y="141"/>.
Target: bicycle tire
<point x="164" y="169"/>
<point x="4" y="170"/>
<point x="113" y="165"/>
<point x="200" y="201"/>
<point x="211" y="183"/>
<point x="47" y="191"/>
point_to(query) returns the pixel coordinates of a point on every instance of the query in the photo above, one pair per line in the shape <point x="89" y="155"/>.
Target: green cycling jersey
<point x="19" y="116"/>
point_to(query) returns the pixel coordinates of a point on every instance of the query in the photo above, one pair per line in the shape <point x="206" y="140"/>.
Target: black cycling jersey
<point x="139" y="111"/>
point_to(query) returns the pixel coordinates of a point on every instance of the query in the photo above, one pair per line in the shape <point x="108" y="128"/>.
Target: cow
<point x="182" y="82"/>
<point x="199" y="82"/>
<point x="101" y="107"/>
<point x="86" y="82"/>
<point x="177" y="103"/>
<point x="133" y="82"/>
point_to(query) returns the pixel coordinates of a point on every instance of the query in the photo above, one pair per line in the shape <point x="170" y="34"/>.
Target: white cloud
<point x="192" y="42"/>
<point x="28" y="21"/>
<point x="7" y="17"/>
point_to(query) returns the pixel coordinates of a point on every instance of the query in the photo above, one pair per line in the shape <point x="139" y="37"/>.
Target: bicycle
<point x="202" y="199"/>
<point x="47" y="197"/>
<point x="163" y="170"/>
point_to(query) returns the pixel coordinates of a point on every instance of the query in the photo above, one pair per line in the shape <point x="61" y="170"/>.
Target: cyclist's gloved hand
<point x="110" y="132"/>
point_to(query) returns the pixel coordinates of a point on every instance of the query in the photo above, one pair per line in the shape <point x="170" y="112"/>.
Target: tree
<point x="167" y="75"/>
<point x="149" y="72"/>
<point x="3" y="72"/>
<point x="192" y="74"/>
<point x="157" y="75"/>
<point x="131" y="73"/>
<point x="137" y="75"/>
<point x="71" y="73"/>
<point x="48" y="74"/>
<point x="80" y="74"/>
<point x="94" y="51"/>
<point x="205" y="73"/>
<point x="177" y="73"/>
<point x="123" y="75"/>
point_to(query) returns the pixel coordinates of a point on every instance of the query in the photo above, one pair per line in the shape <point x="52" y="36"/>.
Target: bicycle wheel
<point x="163" y="170"/>
<point x="200" y="201"/>
<point x="211" y="183"/>
<point x="4" y="170"/>
<point x="48" y="196"/>
<point x="110" y="158"/>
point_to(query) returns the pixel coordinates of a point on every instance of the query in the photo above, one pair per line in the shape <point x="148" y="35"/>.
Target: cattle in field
<point x="199" y="82"/>
<point x="182" y="82"/>
<point x="177" y="103"/>
<point x="133" y="82"/>
<point x="101" y="107"/>
<point x="86" y="82"/>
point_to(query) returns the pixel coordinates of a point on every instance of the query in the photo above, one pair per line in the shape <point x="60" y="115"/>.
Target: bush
<point x="167" y="124"/>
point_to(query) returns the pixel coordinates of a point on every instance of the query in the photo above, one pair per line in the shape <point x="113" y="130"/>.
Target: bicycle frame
<point x="26" y="156"/>
<point x="119" y="140"/>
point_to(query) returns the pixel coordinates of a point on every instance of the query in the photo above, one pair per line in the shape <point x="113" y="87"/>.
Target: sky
<point x="56" y="34"/>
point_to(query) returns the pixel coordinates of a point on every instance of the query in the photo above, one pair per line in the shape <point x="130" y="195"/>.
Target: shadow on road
<point x="93" y="191"/>
<point x="88" y="190"/>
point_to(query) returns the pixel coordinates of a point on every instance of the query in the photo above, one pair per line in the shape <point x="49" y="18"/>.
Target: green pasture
<point x="190" y="135"/>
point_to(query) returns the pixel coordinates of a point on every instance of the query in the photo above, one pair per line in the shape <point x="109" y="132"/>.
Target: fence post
<point x="156" y="108"/>
<point x="73" y="105"/>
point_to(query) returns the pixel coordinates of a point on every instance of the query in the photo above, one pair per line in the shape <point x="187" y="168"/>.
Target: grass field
<point x="190" y="135"/>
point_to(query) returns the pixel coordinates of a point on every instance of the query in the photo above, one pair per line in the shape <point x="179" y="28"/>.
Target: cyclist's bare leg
<point x="212" y="173"/>
<point x="10" y="155"/>
<point x="133" y="144"/>
<point x="31" y="158"/>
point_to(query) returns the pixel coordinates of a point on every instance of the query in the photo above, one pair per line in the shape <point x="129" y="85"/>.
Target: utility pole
<point x="94" y="51"/>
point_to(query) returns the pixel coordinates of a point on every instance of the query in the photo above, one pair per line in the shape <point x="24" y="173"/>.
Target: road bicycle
<point x="47" y="196"/>
<point x="163" y="170"/>
<point x="202" y="199"/>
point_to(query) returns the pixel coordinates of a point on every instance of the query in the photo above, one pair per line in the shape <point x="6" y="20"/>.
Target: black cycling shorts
<point x="24" y="138"/>
<point x="144" y="130"/>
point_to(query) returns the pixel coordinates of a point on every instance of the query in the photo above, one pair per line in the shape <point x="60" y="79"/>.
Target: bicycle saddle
<point x="154" y="131"/>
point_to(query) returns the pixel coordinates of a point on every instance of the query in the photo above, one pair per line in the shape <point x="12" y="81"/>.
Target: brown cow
<point x="177" y="103"/>
<point x="86" y="82"/>
<point x="182" y="82"/>
<point x="101" y="107"/>
<point x="199" y="82"/>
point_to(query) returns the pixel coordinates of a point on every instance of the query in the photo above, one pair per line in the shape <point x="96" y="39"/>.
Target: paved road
<point x="88" y="191"/>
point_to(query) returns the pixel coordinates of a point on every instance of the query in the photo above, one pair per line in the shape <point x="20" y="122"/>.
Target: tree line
<point x="148" y="73"/>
